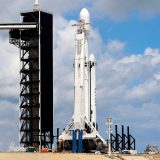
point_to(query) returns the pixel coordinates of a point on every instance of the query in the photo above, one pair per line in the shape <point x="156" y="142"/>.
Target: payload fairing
<point x="84" y="118"/>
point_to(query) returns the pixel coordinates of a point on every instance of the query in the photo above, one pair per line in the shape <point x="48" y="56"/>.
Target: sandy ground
<point x="67" y="156"/>
<point x="50" y="156"/>
<point x="153" y="157"/>
<point x="134" y="158"/>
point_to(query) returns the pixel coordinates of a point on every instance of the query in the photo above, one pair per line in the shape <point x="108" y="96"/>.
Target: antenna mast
<point x="36" y="6"/>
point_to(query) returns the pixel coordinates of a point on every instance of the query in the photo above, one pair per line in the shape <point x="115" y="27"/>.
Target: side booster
<point x="92" y="83"/>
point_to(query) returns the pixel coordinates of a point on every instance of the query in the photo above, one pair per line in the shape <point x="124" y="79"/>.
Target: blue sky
<point x="125" y="38"/>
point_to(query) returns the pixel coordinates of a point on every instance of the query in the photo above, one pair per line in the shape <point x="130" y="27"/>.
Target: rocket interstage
<point x="84" y="118"/>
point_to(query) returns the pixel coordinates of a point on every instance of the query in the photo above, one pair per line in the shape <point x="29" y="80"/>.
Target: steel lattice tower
<point x="36" y="84"/>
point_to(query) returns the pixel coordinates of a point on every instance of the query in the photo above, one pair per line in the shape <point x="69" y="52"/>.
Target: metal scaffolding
<point x="34" y="38"/>
<point x="29" y="85"/>
<point x="123" y="141"/>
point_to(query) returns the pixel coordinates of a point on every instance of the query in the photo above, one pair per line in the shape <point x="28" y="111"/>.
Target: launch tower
<point x="34" y="37"/>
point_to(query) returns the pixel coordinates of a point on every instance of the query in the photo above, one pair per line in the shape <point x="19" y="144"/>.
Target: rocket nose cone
<point x="92" y="58"/>
<point x="84" y="15"/>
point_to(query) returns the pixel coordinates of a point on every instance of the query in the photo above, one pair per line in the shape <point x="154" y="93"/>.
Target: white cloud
<point x="115" y="46"/>
<point x="63" y="70"/>
<point x="147" y="91"/>
<point x="109" y="8"/>
<point x="128" y="90"/>
<point x="9" y="120"/>
<point x="60" y="6"/>
<point x="10" y="65"/>
<point x="95" y="41"/>
<point x="157" y="76"/>
<point x="5" y="122"/>
<point x="130" y="71"/>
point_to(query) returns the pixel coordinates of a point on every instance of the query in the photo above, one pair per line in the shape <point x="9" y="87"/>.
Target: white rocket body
<point x="81" y="73"/>
<point x="79" y="108"/>
<point x="84" y="117"/>
<point x="84" y="106"/>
